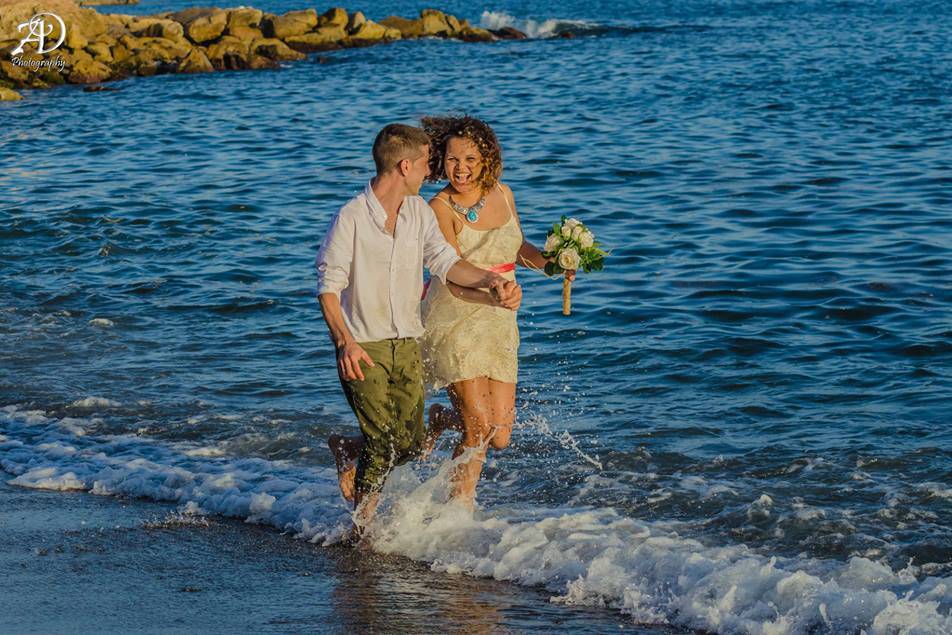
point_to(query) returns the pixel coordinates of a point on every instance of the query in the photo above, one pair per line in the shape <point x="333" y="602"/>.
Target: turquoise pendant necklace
<point x="471" y="213"/>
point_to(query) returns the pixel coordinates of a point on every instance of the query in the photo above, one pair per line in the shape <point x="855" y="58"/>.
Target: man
<point x="369" y="285"/>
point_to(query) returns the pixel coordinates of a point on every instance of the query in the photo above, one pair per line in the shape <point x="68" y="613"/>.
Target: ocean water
<point x="745" y="426"/>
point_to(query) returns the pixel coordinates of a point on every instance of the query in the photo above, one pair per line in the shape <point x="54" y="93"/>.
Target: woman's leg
<point x="440" y="420"/>
<point x="471" y="399"/>
<point x="503" y="400"/>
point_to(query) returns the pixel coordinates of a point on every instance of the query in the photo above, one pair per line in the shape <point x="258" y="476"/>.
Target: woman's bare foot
<point x="346" y="468"/>
<point x="439" y="420"/>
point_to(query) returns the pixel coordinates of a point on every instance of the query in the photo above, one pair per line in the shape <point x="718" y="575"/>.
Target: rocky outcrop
<point x="509" y="33"/>
<point x="434" y="23"/>
<point x="7" y="94"/>
<point x="103" y="47"/>
<point x="88" y="3"/>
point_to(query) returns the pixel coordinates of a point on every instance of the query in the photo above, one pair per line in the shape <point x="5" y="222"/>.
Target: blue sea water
<point x="765" y="362"/>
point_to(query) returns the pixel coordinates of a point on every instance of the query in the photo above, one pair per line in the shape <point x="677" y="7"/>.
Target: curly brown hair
<point x="442" y="129"/>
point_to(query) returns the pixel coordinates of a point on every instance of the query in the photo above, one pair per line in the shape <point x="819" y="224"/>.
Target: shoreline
<point x="100" y="47"/>
<point x="119" y="565"/>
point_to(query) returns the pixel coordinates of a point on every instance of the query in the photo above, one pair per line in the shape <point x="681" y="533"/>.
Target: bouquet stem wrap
<point x="566" y="296"/>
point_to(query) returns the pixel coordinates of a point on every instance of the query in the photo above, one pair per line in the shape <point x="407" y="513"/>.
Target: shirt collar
<point x="377" y="212"/>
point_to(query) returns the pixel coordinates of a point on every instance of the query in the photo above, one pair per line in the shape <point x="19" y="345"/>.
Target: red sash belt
<point x="503" y="268"/>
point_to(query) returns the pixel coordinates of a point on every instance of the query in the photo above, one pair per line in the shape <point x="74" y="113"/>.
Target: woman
<point x="470" y="344"/>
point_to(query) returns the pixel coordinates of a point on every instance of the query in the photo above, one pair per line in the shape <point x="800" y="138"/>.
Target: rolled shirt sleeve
<point x="335" y="257"/>
<point x="438" y="255"/>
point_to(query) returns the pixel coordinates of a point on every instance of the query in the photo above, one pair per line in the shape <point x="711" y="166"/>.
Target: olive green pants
<point x="388" y="403"/>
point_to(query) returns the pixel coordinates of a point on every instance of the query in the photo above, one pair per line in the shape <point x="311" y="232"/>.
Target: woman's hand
<point x="512" y="297"/>
<point x="570" y="274"/>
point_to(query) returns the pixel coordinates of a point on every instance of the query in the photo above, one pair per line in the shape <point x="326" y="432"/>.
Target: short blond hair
<point x="397" y="142"/>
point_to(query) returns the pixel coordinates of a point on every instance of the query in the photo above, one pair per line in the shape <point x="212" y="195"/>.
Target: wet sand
<point x="76" y="562"/>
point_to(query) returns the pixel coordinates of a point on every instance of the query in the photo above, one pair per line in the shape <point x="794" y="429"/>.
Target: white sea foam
<point x="936" y="489"/>
<point x="92" y="403"/>
<point x="585" y="556"/>
<point x="103" y="323"/>
<point x="532" y="28"/>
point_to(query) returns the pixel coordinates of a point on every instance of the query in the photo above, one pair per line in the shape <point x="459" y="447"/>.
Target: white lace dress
<point x="464" y="340"/>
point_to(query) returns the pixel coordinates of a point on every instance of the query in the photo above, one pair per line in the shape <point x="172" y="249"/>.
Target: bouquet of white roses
<point x="570" y="245"/>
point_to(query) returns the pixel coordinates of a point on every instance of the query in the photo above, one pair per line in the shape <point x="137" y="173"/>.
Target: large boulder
<point x="148" y="55"/>
<point x="323" y="38"/>
<point x="275" y="49"/>
<point x="245" y="33"/>
<point x="439" y="22"/>
<point x="16" y="75"/>
<point x="370" y="32"/>
<point x="289" y="24"/>
<point x="357" y="19"/>
<point x="474" y="34"/>
<point x="202" y="24"/>
<point x="334" y="17"/>
<point x="407" y="28"/>
<point x="86" y="70"/>
<point x="167" y="49"/>
<point x="431" y="23"/>
<point x="195" y="62"/>
<point x="508" y="33"/>
<point x="157" y="27"/>
<point x="82" y="25"/>
<point x="244" y="17"/>
<point x="229" y="53"/>
<point x="120" y="53"/>
<point x="7" y="94"/>
<point x="100" y="51"/>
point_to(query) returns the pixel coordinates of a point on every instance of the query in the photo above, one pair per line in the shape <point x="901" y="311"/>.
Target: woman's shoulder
<point x="440" y="205"/>
<point x="441" y="197"/>
<point x="506" y="191"/>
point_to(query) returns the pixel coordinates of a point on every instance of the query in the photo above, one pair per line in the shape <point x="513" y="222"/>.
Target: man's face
<point x="419" y="170"/>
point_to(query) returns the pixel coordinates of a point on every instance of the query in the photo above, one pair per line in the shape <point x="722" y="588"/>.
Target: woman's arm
<point x="476" y="296"/>
<point x="529" y="255"/>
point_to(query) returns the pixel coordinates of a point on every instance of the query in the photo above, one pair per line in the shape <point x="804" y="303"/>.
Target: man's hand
<point x="508" y="294"/>
<point x="349" y="357"/>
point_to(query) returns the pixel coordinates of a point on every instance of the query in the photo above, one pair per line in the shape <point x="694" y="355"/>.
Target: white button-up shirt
<point x="378" y="276"/>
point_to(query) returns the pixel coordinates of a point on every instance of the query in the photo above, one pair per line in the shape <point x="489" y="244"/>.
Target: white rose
<point x="569" y="259"/>
<point x="587" y="239"/>
<point x="552" y="243"/>
<point x="577" y="232"/>
<point x="566" y="230"/>
<point x="573" y="222"/>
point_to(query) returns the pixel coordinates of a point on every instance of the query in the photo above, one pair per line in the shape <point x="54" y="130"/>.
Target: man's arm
<point x="349" y="352"/>
<point x="507" y="292"/>
<point x="443" y="261"/>
<point x="333" y="264"/>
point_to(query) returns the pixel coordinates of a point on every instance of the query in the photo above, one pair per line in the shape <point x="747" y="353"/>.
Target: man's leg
<point x="370" y="400"/>
<point x="345" y="451"/>
<point x="406" y="394"/>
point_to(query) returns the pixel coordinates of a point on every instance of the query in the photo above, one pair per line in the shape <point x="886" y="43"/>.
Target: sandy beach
<point x="76" y="562"/>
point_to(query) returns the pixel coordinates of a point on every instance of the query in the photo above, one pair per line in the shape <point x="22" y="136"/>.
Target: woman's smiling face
<point x="463" y="164"/>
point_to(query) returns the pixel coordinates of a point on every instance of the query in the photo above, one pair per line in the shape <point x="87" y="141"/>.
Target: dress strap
<point x="505" y="198"/>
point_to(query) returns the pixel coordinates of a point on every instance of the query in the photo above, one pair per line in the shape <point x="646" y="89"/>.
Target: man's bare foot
<point x="440" y="418"/>
<point x="346" y="468"/>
